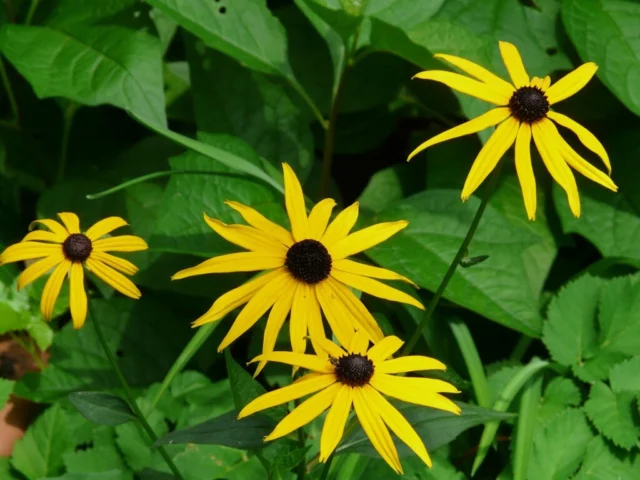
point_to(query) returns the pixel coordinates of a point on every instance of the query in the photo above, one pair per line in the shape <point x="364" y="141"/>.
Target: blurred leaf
<point x="110" y="475"/>
<point x="601" y="463"/>
<point x="101" y="458"/>
<point x="126" y="13"/>
<point x="559" y="394"/>
<point x="624" y="376"/>
<point x="206" y="462"/>
<point x="6" y="387"/>
<point x="613" y="414"/>
<point x="392" y="184"/>
<point x="102" y="408"/>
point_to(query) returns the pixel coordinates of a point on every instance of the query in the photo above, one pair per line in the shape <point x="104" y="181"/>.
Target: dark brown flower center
<point x="529" y="104"/>
<point x="308" y="261"/>
<point x="77" y="247"/>
<point x="354" y="369"/>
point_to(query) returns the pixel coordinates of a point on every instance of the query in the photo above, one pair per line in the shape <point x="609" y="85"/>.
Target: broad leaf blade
<point x="102" y="408"/>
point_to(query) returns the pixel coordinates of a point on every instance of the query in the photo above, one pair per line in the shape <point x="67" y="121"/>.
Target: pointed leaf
<point x="102" y="408"/>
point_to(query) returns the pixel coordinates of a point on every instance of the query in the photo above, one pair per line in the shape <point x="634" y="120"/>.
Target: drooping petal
<point x="329" y="347"/>
<point x="366" y="238"/>
<point x="349" y="266"/>
<point x="303" y="308"/>
<point x="490" y="155"/>
<point x="52" y="289"/>
<point x="359" y="343"/>
<point x="259" y="221"/>
<point x="334" y="424"/>
<point x="27" y="251"/>
<point x="120" y="264"/>
<point x="314" y="320"/>
<point x="294" y="200"/>
<point x="113" y="278"/>
<point x="486" y="120"/>
<point x="233" y="262"/>
<point x="104" y="226"/>
<point x="77" y="295"/>
<point x="525" y="170"/>
<point x="513" y="62"/>
<point x="319" y="218"/>
<point x="304" y="386"/>
<point x="384" y="348"/>
<point x="571" y="83"/>
<point x="501" y="86"/>
<point x="411" y="363"/>
<point x="375" y="288"/>
<point x="341" y="225"/>
<point x="341" y="323"/>
<point x="122" y="243"/>
<point x="39" y="268"/>
<point x="412" y="390"/>
<point x="43" y="236"/>
<point x="247" y="237"/>
<point x="71" y="221"/>
<point x="302" y="360"/>
<point x="54" y="226"/>
<point x="465" y="85"/>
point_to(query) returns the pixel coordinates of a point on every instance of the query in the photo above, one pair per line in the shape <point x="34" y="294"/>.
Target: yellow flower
<point x="523" y="111"/>
<point x="357" y="377"/>
<point x="65" y="249"/>
<point x="308" y="270"/>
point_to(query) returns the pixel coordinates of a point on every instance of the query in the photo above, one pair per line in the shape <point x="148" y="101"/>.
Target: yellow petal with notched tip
<point x="294" y="200"/>
<point x="394" y="387"/>
<point x="411" y="363"/>
<point x="513" y="62"/>
<point x="384" y="348"/>
<point x="71" y="221"/>
<point x="27" y="251"/>
<point x="466" y="85"/>
<point x="259" y="221"/>
<point x="329" y="347"/>
<point x="375" y="288"/>
<point x="359" y="343"/>
<point x="334" y="424"/>
<point x="39" y="268"/>
<point x="366" y="238"/>
<point x="113" y="278"/>
<point x="247" y="237"/>
<point x="319" y="218"/>
<point x="120" y="264"/>
<point x="481" y="73"/>
<point x="122" y="243"/>
<point x="571" y="83"/>
<point x="303" y="360"/>
<point x="536" y="82"/>
<point x="349" y="266"/>
<point x="525" y="170"/>
<point x="341" y="225"/>
<point x="77" y="295"/>
<point x="546" y="83"/>
<point x="233" y="262"/>
<point x="52" y="289"/>
<point x="105" y="226"/>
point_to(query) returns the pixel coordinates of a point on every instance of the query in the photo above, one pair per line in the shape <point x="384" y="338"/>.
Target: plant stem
<point x="129" y="394"/>
<point x="302" y="467"/>
<point x="68" y="115"/>
<point x="521" y="348"/>
<point x="309" y="101"/>
<point x="10" y="95"/>
<point x="462" y="251"/>
<point x="326" y="468"/>
<point x="329" y="140"/>
<point x="32" y="10"/>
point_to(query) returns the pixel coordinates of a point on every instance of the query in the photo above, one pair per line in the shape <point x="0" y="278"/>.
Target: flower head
<point x="357" y="376"/>
<point x="524" y="111"/>
<point x="307" y="270"/>
<point x="66" y="250"/>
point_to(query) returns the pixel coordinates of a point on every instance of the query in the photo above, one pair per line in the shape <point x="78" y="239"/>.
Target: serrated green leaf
<point x="204" y="462"/>
<point x="110" y="475"/>
<point x="559" y="394"/>
<point x="601" y="463"/>
<point x="102" y="408"/>
<point x="95" y="460"/>
<point x="613" y="415"/>
<point x="6" y="387"/>
<point x="624" y="376"/>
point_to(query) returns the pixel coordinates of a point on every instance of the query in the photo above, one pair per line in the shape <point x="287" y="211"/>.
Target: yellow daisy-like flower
<point x="523" y="112"/>
<point x="308" y="270"/>
<point x="66" y="250"/>
<point x="357" y="377"/>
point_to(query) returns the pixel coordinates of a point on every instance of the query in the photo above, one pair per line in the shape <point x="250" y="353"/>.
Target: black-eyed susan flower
<point x="357" y="376"/>
<point x="307" y="271"/>
<point x="524" y="111"/>
<point x="66" y="250"/>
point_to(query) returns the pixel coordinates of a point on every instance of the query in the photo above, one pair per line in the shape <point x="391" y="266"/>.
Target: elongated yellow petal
<point x="54" y="226"/>
<point x="305" y="412"/>
<point x="71" y="221"/>
<point x="486" y="120"/>
<point x="375" y="429"/>
<point x="333" y="427"/>
<point x="319" y="218"/>
<point x="359" y="343"/>
<point x="543" y="132"/>
<point x="341" y="225"/>
<point x="113" y="278"/>
<point x="413" y="390"/>
<point x="257" y="306"/>
<point x="411" y="363"/>
<point x="43" y="236"/>
<point x="27" y="251"/>
<point x="294" y="200"/>
<point x="349" y="266"/>
<point x="39" y="268"/>
<point x="120" y="264"/>
<point x="314" y="321"/>
<point x="498" y="84"/>
<point x="329" y="347"/>
<point x="513" y="62"/>
<point x="259" y="221"/>
<point x="356" y="310"/>
<point x="302" y="360"/>
<point x="536" y="82"/>
<point x="366" y="238"/>
<point x="247" y="237"/>
<point x="525" y="170"/>
<point x="375" y="288"/>
<point x="465" y="85"/>
<point x="77" y="295"/>
<point x="546" y="83"/>
<point x="304" y="386"/>
<point x="341" y="323"/>
<point x="122" y="243"/>
<point x="304" y="306"/>
<point x="384" y="348"/>
<point x="397" y="423"/>
<point x="587" y="138"/>
<point x="104" y="226"/>
<point x="233" y="262"/>
<point x="571" y="83"/>
<point x="52" y="289"/>
<point x="490" y="155"/>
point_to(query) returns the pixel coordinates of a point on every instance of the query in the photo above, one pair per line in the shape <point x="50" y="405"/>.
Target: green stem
<point x="302" y="468"/>
<point x="521" y="348"/>
<point x="129" y="393"/>
<point x="69" y="113"/>
<point x="10" y="95"/>
<point x="309" y="101"/>
<point x="32" y="10"/>
<point x="329" y="140"/>
<point x="326" y="468"/>
<point x="462" y="251"/>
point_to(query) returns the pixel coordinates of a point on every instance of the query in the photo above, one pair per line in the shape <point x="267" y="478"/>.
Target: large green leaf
<point x="129" y="13"/>
<point x="606" y="32"/>
<point x="624" y="376"/>
<point x="108" y="475"/>
<point x="102" y="408"/>
<point x="602" y="463"/>
<point x="559" y="394"/>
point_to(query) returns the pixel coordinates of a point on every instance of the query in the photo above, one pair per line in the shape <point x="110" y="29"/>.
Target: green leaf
<point x="526" y="427"/>
<point x="604" y="31"/>
<point x="206" y="462"/>
<point x="613" y="415"/>
<point x="6" y="387"/>
<point x="110" y="475"/>
<point x="126" y="13"/>
<point x="39" y="453"/>
<point x="91" y="65"/>
<point x="624" y="376"/>
<point x="559" y="447"/>
<point x="472" y="361"/>
<point x="559" y="394"/>
<point x="392" y="184"/>
<point x="99" y="458"/>
<point x="601" y="463"/>
<point x="102" y="408"/>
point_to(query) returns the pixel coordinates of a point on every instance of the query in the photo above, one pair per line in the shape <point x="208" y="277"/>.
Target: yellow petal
<point x="52" y="289"/>
<point x="375" y="429"/>
<point x="513" y="62"/>
<point x="329" y="347"/>
<point x="543" y="132"/>
<point x="77" y="295"/>
<point x="571" y="83"/>
<point x="120" y="264"/>
<point x="314" y="321"/>
<point x="247" y="237"/>
<point x="107" y="225"/>
<point x="397" y="423"/>
<point x="27" y="251"/>
<point x="587" y="138"/>
<point x="43" y="236"/>
<point x="305" y="412"/>
<point x="349" y="266"/>
<point x="233" y="262"/>
<point x="113" y="278"/>
<point x="481" y="73"/>
<point x="319" y="218"/>
<point x="384" y="348"/>
<point x="333" y="427"/>
<point x="39" y="268"/>
<point x="375" y="288"/>
<point x="341" y="323"/>
<point x="302" y="360"/>
<point x="486" y="120"/>
<point x="259" y="221"/>
<point x="294" y="200"/>
<point x="525" y="170"/>
<point x="536" y="82"/>
<point x="122" y="243"/>
<point x="359" y="343"/>
<point x="257" y="306"/>
<point x="490" y="155"/>
<point x="301" y="311"/>
<point x="71" y="221"/>
<point x="366" y="238"/>
<point x="546" y="83"/>
<point x="55" y="227"/>
<point x="304" y="386"/>
<point x="409" y="390"/>
<point x="341" y="225"/>
<point x="411" y="363"/>
<point x="465" y="85"/>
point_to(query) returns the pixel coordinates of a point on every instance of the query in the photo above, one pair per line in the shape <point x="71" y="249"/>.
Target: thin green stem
<point x="32" y="10"/>
<point x="309" y="101"/>
<point x="326" y="468"/>
<point x="10" y="95"/>
<point x="462" y="251"/>
<point x="69" y="113"/>
<point x="329" y="141"/>
<point x="521" y="348"/>
<point x="302" y="468"/>
<point x="474" y="364"/>
<point x="129" y="394"/>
